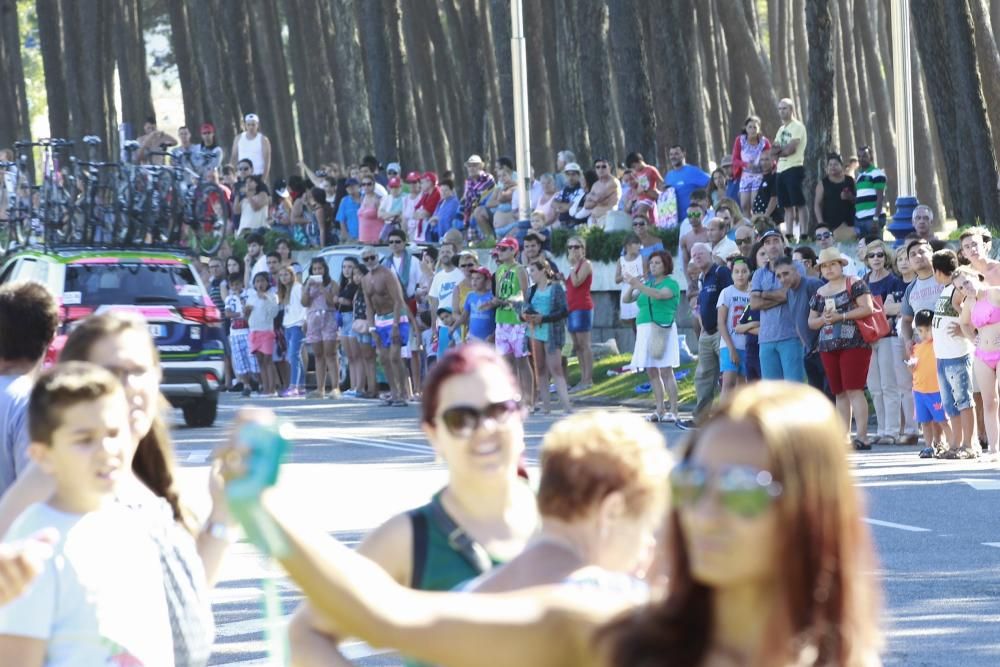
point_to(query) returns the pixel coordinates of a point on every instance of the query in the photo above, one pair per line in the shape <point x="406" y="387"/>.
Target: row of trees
<point x="429" y="81"/>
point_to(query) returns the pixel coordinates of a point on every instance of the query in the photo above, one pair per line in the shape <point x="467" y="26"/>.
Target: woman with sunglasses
<point x="770" y="564"/>
<point x="581" y="308"/>
<point x="648" y="241"/>
<point x="885" y="285"/>
<point x="484" y="516"/>
<point x="468" y="262"/>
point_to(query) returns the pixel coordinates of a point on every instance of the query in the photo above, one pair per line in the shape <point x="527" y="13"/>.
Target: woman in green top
<point x="485" y="515"/>
<point x="656" y="343"/>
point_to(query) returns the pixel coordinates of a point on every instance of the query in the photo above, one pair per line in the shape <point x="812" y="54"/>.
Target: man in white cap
<point x="252" y="145"/>
<point x="478" y="184"/>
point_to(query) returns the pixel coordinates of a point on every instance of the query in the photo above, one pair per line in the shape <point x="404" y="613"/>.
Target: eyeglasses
<point x="467" y="266"/>
<point x="463" y="420"/>
<point x="575" y="246"/>
<point x="638" y="223"/>
<point x="367" y="183"/>
<point x="395" y="241"/>
<point x="872" y="255"/>
<point x="694" y="214"/>
<point x="744" y="241"/>
<point x="742" y="490"/>
<point x="824" y="235"/>
<point x="369" y="258"/>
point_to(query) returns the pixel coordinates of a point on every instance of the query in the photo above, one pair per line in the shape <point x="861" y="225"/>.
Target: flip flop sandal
<point x="860" y="445"/>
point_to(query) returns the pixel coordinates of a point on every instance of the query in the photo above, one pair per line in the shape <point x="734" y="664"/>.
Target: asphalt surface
<point x="934" y="523"/>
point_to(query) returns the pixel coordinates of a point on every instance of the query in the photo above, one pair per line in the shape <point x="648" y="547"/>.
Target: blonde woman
<point x="886" y="289"/>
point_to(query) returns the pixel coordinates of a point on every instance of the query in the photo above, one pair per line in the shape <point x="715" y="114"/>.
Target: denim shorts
<point x="955" y="380"/>
<point x="346" y="320"/>
<point x="580" y="321"/>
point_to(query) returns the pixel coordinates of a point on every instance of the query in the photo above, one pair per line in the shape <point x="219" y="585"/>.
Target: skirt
<point x="643" y="358"/>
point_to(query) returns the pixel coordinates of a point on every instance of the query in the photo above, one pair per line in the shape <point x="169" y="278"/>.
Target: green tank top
<point x="508" y="287"/>
<point x="437" y="564"/>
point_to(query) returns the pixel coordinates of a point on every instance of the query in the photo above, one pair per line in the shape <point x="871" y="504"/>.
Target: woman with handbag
<point x="839" y="310"/>
<point x="656" y="344"/>
<point x="886" y="287"/>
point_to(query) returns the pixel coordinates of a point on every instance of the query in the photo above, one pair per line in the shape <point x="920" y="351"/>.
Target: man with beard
<point x="684" y="178"/>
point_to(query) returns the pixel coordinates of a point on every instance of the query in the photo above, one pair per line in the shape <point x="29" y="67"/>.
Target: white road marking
<point x="898" y="526"/>
<point x="198" y="456"/>
<point x="982" y="484"/>
<point x="992" y="544"/>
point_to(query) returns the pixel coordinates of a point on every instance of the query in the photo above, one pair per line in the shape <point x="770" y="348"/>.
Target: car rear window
<point x="130" y="283"/>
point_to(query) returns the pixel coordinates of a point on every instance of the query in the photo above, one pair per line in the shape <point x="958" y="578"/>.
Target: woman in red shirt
<point x="581" y="308"/>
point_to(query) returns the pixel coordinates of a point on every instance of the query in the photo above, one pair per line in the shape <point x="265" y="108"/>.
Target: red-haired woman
<point x="770" y="564"/>
<point x="483" y="516"/>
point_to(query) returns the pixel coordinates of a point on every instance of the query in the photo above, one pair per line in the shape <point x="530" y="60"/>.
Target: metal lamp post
<point x="521" y="133"/>
<point x="906" y="201"/>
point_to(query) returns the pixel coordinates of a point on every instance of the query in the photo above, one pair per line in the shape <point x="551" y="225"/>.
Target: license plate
<point x="157" y="330"/>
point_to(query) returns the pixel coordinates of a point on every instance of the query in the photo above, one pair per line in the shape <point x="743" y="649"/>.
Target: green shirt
<point x="663" y="311"/>
<point x="508" y="288"/>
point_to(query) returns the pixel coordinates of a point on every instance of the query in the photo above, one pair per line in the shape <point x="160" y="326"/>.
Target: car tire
<point x="201" y="413"/>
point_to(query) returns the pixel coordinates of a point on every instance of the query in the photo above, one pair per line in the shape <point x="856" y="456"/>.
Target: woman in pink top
<point x="581" y="308"/>
<point x="369" y="224"/>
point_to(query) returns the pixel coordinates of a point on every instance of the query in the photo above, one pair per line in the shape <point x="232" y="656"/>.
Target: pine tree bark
<point x="781" y="40"/>
<point x="447" y="73"/>
<point x="410" y="150"/>
<point x="130" y="54"/>
<point x="801" y="55"/>
<point x="208" y="29"/>
<point x="240" y="50"/>
<point x="15" y="123"/>
<point x="739" y="39"/>
<point x="354" y="111"/>
<point x="501" y="32"/>
<point x="864" y="23"/>
<point x="660" y="63"/>
<point x="989" y="61"/>
<point x="567" y="39"/>
<point x="304" y="52"/>
<point x="686" y="92"/>
<point x="819" y="121"/>
<point x="715" y="131"/>
<point x="493" y="109"/>
<point x="925" y="164"/>
<point x="50" y="38"/>
<point x="595" y="80"/>
<point x="432" y="105"/>
<point x="372" y="22"/>
<point x="274" y="88"/>
<point x="560" y="133"/>
<point x="540" y="110"/>
<point x="844" y="135"/>
<point x="862" y="125"/>
<point x="632" y="79"/>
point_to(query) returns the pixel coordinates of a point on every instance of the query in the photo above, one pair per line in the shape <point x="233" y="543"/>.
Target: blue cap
<point x="352" y="181"/>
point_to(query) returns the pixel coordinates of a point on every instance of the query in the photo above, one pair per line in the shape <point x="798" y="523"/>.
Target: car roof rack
<point x="113" y="247"/>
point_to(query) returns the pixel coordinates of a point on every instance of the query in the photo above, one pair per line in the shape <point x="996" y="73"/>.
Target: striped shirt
<point x="869" y="184"/>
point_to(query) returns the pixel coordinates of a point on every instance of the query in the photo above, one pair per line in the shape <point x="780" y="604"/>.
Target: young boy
<point x="926" y="393"/>
<point x="477" y="312"/>
<point x="244" y="364"/>
<point x="449" y="335"/>
<point x="99" y="600"/>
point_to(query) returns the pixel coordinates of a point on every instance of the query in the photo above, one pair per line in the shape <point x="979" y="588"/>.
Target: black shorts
<point x="790" y="187"/>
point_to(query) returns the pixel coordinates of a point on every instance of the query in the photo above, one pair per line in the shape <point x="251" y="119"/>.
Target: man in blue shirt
<point x="684" y="178"/>
<point x="713" y="279"/>
<point x="732" y="185"/>
<point x="446" y="214"/>
<point x="347" y="213"/>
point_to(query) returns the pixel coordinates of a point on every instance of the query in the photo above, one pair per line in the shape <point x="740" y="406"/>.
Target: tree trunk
<point x="879" y="88"/>
<point x="86" y="39"/>
<point x="15" y="123"/>
<point x="240" y="45"/>
<point x="540" y="109"/>
<point x="447" y="72"/>
<point x="557" y="117"/>
<point x="861" y="120"/>
<point x="208" y="29"/>
<point x="686" y="91"/>
<point x="660" y="63"/>
<point x="432" y="104"/>
<point x="780" y="41"/>
<point x="493" y="109"/>
<point x="740" y="40"/>
<point x="50" y="39"/>
<point x="304" y="53"/>
<point x="130" y="54"/>
<point x="632" y="79"/>
<point x="274" y="88"/>
<point x="844" y="139"/>
<point x="578" y="136"/>
<point x="379" y="78"/>
<point x="132" y="68"/>
<point x="354" y="110"/>
<point x="501" y="30"/>
<point x="801" y="55"/>
<point x="819" y="122"/>
<point x="925" y="165"/>
<point x="592" y="21"/>
<point x="988" y="59"/>
<point x="410" y="151"/>
<point x="715" y="134"/>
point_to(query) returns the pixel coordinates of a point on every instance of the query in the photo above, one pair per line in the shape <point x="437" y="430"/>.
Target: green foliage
<point x="957" y="232"/>
<point x="605" y="246"/>
<point x="621" y="387"/>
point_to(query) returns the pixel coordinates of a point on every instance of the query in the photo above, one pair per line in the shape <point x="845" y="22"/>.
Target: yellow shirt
<point x="786" y="133"/>
<point x="925" y="379"/>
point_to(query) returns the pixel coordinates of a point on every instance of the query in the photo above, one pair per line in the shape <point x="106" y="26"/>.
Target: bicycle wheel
<point x="210" y="212"/>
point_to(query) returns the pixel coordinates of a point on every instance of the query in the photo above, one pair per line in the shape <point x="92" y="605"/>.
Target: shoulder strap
<point x="419" y="557"/>
<point x="459" y="540"/>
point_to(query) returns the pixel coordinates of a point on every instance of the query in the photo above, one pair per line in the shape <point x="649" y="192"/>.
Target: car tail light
<point x="202" y="314"/>
<point x="211" y="377"/>
<point x="73" y="314"/>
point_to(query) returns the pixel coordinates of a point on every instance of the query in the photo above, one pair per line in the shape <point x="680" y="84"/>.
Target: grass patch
<point x="622" y="386"/>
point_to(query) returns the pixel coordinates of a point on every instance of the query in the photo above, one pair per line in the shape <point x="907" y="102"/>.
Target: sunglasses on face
<point x="824" y="235"/>
<point x="467" y="266"/>
<point x="873" y="255"/>
<point x="743" y="490"/>
<point x="367" y="184"/>
<point x="638" y="224"/>
<point x="370" y="258"/>
<point x="394" y="241"/>
<point x="463" y="420"/>
<point x="694" y="214"/>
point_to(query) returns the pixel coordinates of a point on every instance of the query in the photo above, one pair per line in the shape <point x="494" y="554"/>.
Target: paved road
<point x="935" y="524"/>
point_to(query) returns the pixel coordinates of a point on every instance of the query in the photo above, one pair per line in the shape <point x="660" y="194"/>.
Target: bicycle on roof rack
<point x="86" y="201"/>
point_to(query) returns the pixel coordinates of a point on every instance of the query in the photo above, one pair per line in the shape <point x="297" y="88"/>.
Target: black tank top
<point x="837" y="210"/>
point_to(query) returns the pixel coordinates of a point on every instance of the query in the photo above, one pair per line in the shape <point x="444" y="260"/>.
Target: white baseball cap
<point x="474" y="159"/>
<point x="572" y="166"/>
<point x="251" y="118"/>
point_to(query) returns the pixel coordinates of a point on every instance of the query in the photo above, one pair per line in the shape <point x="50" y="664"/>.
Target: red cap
<point x="207" y="127"/>
<point x="431" y="176"/>
<point x="413" y="177"/>
<point x="507" y="243"/>
<point x="394" y="182"/>
<point x="483" y="271"/>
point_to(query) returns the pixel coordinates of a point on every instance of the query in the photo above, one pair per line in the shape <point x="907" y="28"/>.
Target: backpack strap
<point x="459" y="540"/>
<point x="420" y="538"/>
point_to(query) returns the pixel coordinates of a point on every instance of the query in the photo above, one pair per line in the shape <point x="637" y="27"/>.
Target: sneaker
<point x="668" y="418"/>
<point x="351" y="393"/>
<point x="927" y="453"/>
<point x="291" y="392"/>
<point x="686" y="425"/>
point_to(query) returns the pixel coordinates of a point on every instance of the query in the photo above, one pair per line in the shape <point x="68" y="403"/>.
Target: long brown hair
<point x="285" y="292"/>
<point x="827" y="607"/>
<point x="153" y="463"/>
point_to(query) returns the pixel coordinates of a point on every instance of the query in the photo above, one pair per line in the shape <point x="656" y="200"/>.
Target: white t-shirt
<point x="443" y="287"/>
<point x="737" y="302"/>
<point x="295" y="312"/>
<point x="265" y="309"/>
<point x="630" y="267"/>
<point x="947" y="346"/>
<point x="100" y="599"/>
